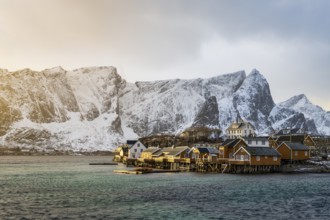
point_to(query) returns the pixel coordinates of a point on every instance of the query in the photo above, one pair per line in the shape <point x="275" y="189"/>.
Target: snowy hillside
<point x="62" y="109"/>
<point x="300" y="103"/>
<point x="95" y="109"/>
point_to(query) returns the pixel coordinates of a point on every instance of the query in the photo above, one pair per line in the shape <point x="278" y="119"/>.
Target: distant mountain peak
<point x="55" y="69"/>
<point x="255" y="74"/>
<point x="300" y="103"/>
<point x="95" y="68"/>
<point x="255" y="71"/>
<point x="2" y="71"/>
<point x="301" y="96"/>
<point x="298" y="100"/>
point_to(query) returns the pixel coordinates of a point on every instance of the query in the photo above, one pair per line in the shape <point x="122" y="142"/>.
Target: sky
<point x="288" y="41"/>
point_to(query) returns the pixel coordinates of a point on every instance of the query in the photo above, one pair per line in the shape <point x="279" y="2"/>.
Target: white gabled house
<point x="239" y="129"/>
<point x="135" y="149"/>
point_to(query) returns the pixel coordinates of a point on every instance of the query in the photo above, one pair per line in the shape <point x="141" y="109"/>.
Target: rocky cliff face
<point x="254" y="101"/>
<point x="208" y="115"/>
<point x="313" y="113"/>
<point x="94" y="108"/>
<point x="61" y="109"/>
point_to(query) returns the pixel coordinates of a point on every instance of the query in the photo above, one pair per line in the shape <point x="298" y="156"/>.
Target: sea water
<point x="55" y="187"/>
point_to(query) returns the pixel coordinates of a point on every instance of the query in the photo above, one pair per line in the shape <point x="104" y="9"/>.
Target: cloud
<point x="288" y="41"/>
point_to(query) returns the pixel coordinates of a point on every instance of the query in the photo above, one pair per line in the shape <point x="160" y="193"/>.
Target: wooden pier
<point x="144" y="170"/>
<point x="103" y="163"/>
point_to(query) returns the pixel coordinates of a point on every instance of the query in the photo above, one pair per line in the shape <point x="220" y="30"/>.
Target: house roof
<point x="262" y="151"/>
<point x="177" y="151"/>
<point x="158" y="153"/>
<point x="174" y="151"/>
<point x="131" y="142"/>
<point x="151" y="150"/>
<point x="290" y="131"/>
<point x="208" y="150"/>
<point x="235" y="125"/>
<point x="239" y="124"/>
<point x="213" y="150"/>
<point x="291" y="138"/>
<point x="296" y="146"/>
<point x="231" y="142"/>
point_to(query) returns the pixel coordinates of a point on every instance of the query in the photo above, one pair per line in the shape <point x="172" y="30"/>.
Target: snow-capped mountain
<point x="94" y="108"/>
<point x="61" y="109"/>
<point x="300" y="103"/>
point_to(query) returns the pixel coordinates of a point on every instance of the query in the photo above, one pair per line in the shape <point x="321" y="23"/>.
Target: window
<point x="263" y="142"/>
<point x="249" y="142"/>
<point x="296" y="153"/>
<point x="306" y="153"/>
<point x="266" y="157"/>
<point x="138" y="145"/>
<point x="135" y="150"/>
<point x="275" y="158"/>
<point x="141" y="150"/>
<point x="258" y="158"/>
<point x="256" y="142"/>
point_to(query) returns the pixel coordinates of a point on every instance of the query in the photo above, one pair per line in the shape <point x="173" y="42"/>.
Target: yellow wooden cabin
<point x="293" y="151"/>
<point x="306" y="140"/>
<point x="150" y="153"/>
<point x="256" y="156"/>
<point x="209" y="154"/>
<point x="229" y="147"/>
<point x="177" y="152"/>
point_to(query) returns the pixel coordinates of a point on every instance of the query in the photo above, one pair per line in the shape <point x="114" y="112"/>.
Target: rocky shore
<point x="309" y="167"/>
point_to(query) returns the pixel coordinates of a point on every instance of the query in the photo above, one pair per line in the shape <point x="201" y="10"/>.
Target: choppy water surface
<point x="69" y="188"/>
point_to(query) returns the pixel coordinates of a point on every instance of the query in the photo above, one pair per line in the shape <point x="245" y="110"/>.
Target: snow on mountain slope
<point x="79" y="108"/>
<point x="172" y="105"/>
<point x="281" y="117"/>
<point x="254" y="101"/>
<point x="300" y="103"/>
<point x="94" y="108"/>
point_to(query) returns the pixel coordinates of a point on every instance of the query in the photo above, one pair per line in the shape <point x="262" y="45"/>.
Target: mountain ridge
<point x="94" y="108"/>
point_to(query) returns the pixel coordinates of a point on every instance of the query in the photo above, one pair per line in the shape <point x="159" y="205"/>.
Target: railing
<point x="238" y="162"/>
<point x="223" y="160"/>
<point x="173" y="160"/>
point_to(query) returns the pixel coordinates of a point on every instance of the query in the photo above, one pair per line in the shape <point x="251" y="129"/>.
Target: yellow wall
<point x="228" y="150"/>
<point x="146" y="155"/>
<point x="286" y="153"/>
<point x="265" y="160"/>
<point x="300" y="155"/>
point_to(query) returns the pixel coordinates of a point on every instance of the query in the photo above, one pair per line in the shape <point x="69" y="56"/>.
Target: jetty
<point x="145" y="170"/>
<point x="112" y="163"/>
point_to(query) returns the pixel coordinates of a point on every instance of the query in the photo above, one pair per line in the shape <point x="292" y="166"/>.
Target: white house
<point x="257" y="141"/>
<point x="240" y="128"/>
<point x="135" y="149"/>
